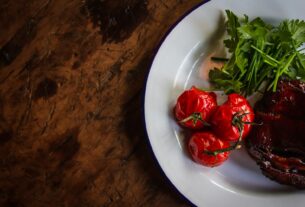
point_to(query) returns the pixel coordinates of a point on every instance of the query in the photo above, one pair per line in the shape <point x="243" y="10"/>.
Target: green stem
<point x="298" y="56"/>
<point x="269" y="58"/>
<point x="279" y="72"/>
<point x="195" y="117"/>
<point x="236" y="121"/>
<point x="236" y="145"/>
<point x="221" y="59"/>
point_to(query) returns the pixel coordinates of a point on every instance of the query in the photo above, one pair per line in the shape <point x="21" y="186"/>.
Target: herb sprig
<point x="260" y="53"/>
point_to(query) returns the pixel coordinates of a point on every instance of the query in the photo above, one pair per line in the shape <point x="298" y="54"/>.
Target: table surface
<point x="72" y="76"/>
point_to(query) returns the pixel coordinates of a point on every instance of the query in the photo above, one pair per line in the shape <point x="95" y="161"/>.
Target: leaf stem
<point x="221" y="59"/>
<point x="195" y="117"/>
<point x="269" y="58"/>
<point x="239" y="123"/>
<point x="280" y="71"/>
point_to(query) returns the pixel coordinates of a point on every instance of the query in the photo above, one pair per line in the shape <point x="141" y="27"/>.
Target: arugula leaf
<point x="232" y="25"/>
<point x="241" y="57"/>
<point x="222" y="80"/>
<point x="260" y="53"/>
<point x="292" y="31"/>
<point x="299" y="66"/>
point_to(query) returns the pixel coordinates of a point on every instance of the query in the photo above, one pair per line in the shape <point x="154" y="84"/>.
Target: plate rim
<point x="155" y="52"/>
<point x="183" y="188"/>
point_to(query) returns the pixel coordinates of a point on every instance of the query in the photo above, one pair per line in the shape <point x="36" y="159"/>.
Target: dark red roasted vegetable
<point x="202" y="142"/>
<point x="233" y="119"/>
<point x="195" y="107"/>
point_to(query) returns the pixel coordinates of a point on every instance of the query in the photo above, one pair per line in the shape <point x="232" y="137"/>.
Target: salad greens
<point x="260" y="53"/>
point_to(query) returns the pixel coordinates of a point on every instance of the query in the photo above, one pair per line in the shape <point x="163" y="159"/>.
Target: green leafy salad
<point x="260" y="54"/>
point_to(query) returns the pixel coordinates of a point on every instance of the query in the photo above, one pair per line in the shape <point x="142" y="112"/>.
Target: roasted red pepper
<point x="202" y="145"/>
<point x="232" y="121"/>
<point x="195" y="107"/>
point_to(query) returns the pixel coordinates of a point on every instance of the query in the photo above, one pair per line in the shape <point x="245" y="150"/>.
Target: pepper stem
<point x="195" y="117"/>
<point x="236" y="145"/>
<point x="239" y="123"/>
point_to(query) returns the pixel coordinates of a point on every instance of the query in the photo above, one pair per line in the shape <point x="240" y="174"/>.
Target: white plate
<point x="182" y="61"/>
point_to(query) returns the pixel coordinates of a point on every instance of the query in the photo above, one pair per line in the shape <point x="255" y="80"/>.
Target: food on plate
<point x="194" y="108"/>
<point x="263" y="58"/>
<point x="260" y="55"/>
<point x="233" y="119"/>
<point x="201" y="143"/>
<point x="288" y="100"/>
<point x="278" y="146"/>
<point x="224" y="126"/>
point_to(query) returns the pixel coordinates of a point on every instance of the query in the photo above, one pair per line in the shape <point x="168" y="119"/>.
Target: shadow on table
<point x="135" y="129"/>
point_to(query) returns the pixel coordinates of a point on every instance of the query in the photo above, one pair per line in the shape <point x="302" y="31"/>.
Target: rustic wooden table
<point x="71" y="75"/>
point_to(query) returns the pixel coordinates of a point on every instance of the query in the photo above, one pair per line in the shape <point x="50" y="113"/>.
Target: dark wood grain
<point x="71" y="75"/>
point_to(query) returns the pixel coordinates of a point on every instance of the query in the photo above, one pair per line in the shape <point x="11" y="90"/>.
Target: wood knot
<point x="45" y="89"/>
<point x="116" y="19"/>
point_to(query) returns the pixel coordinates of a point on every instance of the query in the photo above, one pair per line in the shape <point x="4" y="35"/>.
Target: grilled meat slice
<point x="278" y="145"/>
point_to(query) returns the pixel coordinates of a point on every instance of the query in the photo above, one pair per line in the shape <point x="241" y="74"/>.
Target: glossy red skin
<point x="222" y="118"/>
<point x="195" y="101"/>
<point x="207" y="141"/>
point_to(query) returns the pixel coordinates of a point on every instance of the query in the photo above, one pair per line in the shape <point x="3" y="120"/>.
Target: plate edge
<point x="155" y="52"/>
